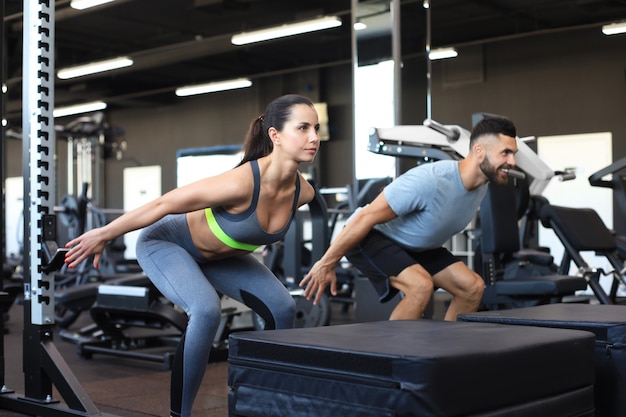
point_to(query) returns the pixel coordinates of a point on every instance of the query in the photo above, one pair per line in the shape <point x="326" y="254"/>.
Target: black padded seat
<point x="543" y="285"/>
<point x="581" y="227"/>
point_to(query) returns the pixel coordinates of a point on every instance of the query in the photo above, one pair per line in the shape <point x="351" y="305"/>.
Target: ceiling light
<point x="94" y="67"/>
<point x="79" y="108"/>
<point x="614" y="28"/>
<point x="86" y="4"/>
<point x="286" y="30"/>
<point x="191" y="90"/>
<point x="442" y="53"/>
<point x="360" y="26"/>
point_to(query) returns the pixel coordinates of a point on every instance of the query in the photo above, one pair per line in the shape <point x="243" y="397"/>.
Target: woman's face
<point x="299" y="136"/>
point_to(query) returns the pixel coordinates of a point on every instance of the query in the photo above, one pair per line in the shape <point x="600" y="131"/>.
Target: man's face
<point x="500" y="154"/>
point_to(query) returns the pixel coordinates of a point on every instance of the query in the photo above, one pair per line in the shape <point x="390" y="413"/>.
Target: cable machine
<point x="43" y="365"/>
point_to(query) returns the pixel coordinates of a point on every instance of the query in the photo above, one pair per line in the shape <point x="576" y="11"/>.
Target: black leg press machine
<point x="131" y="319"/>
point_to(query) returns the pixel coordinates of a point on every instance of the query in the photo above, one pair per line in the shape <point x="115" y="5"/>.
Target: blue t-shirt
<point x="432" y="205"/>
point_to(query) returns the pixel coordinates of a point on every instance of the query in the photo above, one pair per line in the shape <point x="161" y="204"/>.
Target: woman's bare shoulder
<point x="307" y="191"/>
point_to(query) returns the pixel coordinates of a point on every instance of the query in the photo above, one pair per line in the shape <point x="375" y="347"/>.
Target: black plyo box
<point x="411" y="368"/>
<point x="607" y="322"/>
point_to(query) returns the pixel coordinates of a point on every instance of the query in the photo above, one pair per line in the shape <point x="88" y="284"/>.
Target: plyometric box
<point x="606" y="322"/>
<point x="412" y="368"/>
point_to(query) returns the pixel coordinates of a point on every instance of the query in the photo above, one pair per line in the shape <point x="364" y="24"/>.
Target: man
<point x="397" y="240"/>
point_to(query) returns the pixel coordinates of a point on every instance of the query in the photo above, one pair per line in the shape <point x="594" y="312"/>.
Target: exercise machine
<point x="516" y="276"/>
<point x="90" y="141"/>
<point x="433" y="141"/>
<point x="614" y="177"/>
<point x="131" y="319"/>
<point x="581" y="230"/>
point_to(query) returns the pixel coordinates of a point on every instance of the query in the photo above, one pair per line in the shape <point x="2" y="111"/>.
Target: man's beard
<point x="492" y="172"/>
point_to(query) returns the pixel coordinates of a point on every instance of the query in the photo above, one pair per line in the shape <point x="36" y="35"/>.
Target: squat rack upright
<point x="42" y="363"/>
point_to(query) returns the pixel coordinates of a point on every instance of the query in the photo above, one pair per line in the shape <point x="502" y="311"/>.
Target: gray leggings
<point x="169" y="258"/>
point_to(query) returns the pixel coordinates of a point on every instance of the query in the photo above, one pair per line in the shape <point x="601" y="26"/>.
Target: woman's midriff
<point x="205" y="241"/>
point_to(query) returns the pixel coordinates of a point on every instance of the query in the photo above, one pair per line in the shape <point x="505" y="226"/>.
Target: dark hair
<point x="257" y="142"/>
<point x="493" y="125"/>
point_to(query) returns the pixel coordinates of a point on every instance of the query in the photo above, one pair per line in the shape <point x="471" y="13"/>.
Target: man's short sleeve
<point x="409" y="192"/>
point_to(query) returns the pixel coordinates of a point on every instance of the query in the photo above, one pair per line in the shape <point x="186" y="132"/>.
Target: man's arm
<point x="323" y="271"/>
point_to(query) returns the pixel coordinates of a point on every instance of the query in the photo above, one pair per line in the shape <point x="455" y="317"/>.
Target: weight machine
<point x="90" y="141"/>
<point x="432" y="141"/>
<point x="43" y="365"/>
<point x="613" y="176"/>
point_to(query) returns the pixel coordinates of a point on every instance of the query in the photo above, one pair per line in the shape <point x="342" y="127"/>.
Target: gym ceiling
<point x="181" y="42"/>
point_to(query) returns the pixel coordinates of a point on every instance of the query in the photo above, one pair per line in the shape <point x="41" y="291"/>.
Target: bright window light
<point x="614" y="28"/>
<point x="286" y="30"/>
<point x="94" y="67"/>
<point x="373" y="106"/>
<point x="191" y="90"/>
<point x="86" y="4"/>
<point x="79" y="108"/>
<point x="442" y="53"/>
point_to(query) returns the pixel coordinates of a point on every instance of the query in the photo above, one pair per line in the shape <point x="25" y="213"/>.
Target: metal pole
<point x="429" y="111"/>
<point x="355" y="64"/>
<point x="2" y="145"/>
<point x="396" y="49"/>
<point x="2" y="170"/>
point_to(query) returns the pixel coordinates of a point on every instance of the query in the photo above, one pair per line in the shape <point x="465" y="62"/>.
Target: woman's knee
<point x="205" y="312"/>
<point x="278" y="312"/>
<point x="285" y="314"/>
<point x="281" y="315"/>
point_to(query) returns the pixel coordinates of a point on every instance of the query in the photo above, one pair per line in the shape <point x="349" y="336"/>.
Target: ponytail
<point x="257" y="142"/>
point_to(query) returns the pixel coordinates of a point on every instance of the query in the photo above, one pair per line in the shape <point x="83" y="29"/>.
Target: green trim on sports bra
<point x="222" y="236"/>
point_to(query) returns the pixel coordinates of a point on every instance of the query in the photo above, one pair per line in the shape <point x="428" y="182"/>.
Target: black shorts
<point x="378" y="257"/>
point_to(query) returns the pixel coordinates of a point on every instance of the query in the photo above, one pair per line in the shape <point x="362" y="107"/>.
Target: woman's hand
<point x="85" y="245"/>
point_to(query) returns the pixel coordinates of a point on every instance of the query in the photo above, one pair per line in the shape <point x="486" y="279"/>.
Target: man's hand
<point x="316" y="281"/>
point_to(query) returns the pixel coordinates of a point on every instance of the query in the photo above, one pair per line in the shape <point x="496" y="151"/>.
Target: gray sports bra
<point x="242" y="230"/>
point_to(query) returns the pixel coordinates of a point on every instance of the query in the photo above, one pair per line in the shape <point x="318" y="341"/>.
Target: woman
<point x="197" y="239"/>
